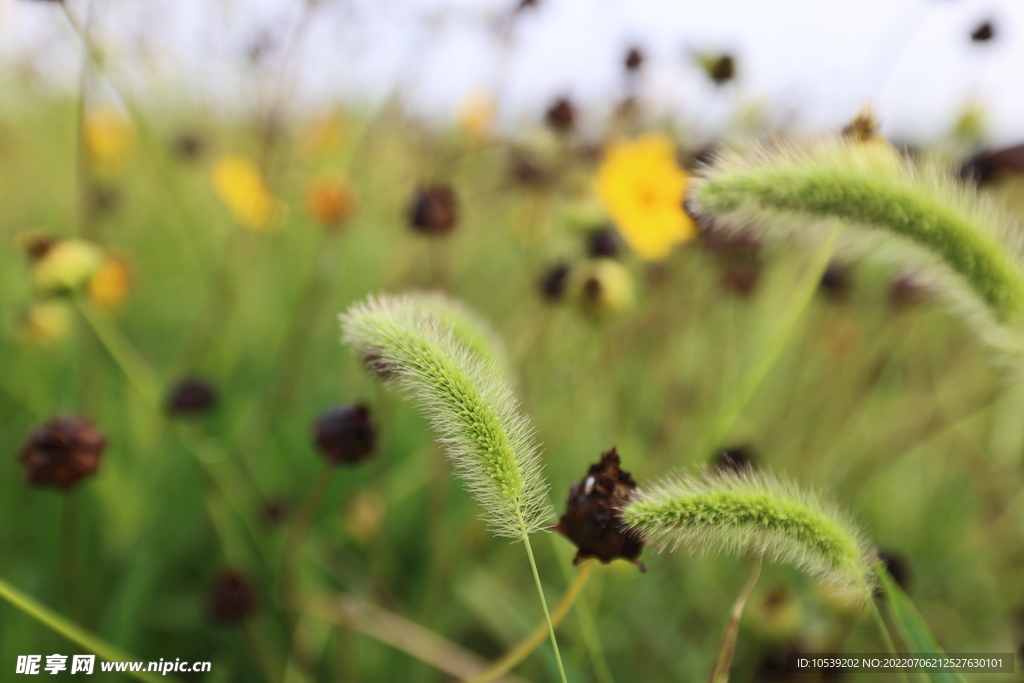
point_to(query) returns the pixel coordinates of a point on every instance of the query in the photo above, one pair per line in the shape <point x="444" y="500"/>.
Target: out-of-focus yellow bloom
<point x="330" y="201"/>
<point x="868" y="149"/>
<point x="241" y="187"/>
<point x="603" y="288"/>
<point x="109" y="286"/>
<point x="322" y="136"/>
<point x="364" y="515"/>
<point x="66" y="266"/>
<point x="642" y="187"/>
<point x="108" y="138"/>
<point x="476" y="113"/>
<point x="46" y="323"/>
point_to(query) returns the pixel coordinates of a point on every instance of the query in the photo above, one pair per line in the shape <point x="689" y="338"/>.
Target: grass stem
<point x="544" y="604"/>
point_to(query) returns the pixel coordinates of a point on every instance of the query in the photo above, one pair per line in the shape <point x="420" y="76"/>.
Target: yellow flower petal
<point x="642" y="187"/>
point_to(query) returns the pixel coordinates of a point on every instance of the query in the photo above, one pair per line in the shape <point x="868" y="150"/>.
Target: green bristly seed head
<point x="459" y="386"/>
<point x="755" y="514"/>
<point x="917" y="216"/>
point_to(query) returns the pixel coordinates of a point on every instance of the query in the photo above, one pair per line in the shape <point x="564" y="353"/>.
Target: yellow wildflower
<point x="330" y="201"/>
<point x="109" y="286"/>
<point x="323" y="135"/>
<point x="108" y="138"/>
<point x="241" y="187"/>
<point x="642" y="186"/>
<point x="476" y="113"/>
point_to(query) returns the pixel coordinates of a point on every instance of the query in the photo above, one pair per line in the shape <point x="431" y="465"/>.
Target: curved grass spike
<point x="469" y="403"/>
<point x="968" y="250"/>
<point x="468" y="327"/>
<point x="756" y="514"/>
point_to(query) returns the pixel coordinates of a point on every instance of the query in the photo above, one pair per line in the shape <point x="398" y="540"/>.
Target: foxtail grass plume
<point x="756" y="514"/>
<point x="467" y="400"/>
<point x="916" y="216"/>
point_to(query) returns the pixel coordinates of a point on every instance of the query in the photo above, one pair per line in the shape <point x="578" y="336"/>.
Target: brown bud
<point x="191" y="397"/>
<point x="231" y="598"/>
<point x="345" y="435"/>
<point x="836" y="282"/>
<point x="720" y="69"/>
<point x="634" y="59"/>
<point x="603" y="243"/>
<point x="593" y="518"/>
<point x="61" y="452"/>
<point x="561" y="115"/>
<point x="553" y="282"/>
<point x="434" y="210"/>
<point x="984" y="33"/>
<point x="734" y="459"/>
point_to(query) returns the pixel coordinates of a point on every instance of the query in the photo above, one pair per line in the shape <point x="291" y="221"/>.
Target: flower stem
<point x="72" y="631"/>
<point x="544" y="604"/>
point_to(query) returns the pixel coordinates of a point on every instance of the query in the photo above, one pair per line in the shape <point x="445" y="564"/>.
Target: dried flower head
<point x="719" y="68"/>
<point x="593" y="519"/>
<point x="61" y="452"/>
<point x="434" y="210"/>
<point x="734" y="459"/>
<point x="561" y="115"/>
<point x="985" y="32"/>
<point x="345" y="435"/>
<point x="986" y="166"/>
<point x="642" y="186"/>
<point x="191" y="397"/>
<point x="552" y="284"/>
<point x="231" y="598"/>
<point x="634" y="59"/>
<point x="836" y="282"/>
<point x="36" y="243"/>
<point x="330" y="201"/>
<point x="603" y="243"/>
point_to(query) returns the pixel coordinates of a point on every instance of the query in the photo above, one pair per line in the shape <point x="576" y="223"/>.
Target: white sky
<point x="806" y="63"/>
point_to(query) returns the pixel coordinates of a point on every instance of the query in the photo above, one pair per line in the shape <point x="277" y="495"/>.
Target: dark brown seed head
<point x="345" y="434"/>
<point x="191" y="397"/>
<point x="231" y="598"/>
<point x="36" y="245"/>
<point x="593" y="518"/>
<point x="734" y="459"/>
<point x="864" y="127"/>
<point x="984" y="33"/>
<point x="561" y="115"/>
<point x="603" y="243"/>
<point x="61" y="452"/>
<point x="434" y="210"/>
<point x="985" y="167"/>
<point x="634" y="59"/>
<point x="898" y="567"/>
<point x="525" y="171"/>
<point x="274" y="511"/>
<point x="720" y="69"/>
<point x="553" y="282"/>
<point x="908" y="291"/>
<point x="188" y="146"/>
<point x="836" y="282"/>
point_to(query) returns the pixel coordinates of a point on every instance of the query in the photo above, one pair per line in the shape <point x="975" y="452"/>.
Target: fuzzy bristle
<point x="915" y="216"/>
<point x="754" y="513"/>
<point x="463" y="392"/>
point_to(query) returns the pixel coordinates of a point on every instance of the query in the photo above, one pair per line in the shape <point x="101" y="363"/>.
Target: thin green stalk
<point x="890" y="647"/>
<point x="73" y="631"/>
<point x="544" y="604"/>
<point x="131" y="363"/>
<point x="771" y="351"/>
